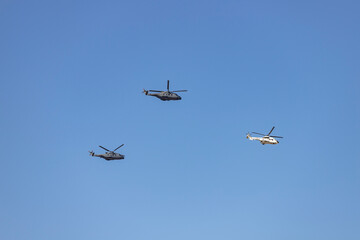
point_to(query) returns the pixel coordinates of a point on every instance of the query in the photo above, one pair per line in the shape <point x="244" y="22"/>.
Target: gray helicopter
<point x="164" y="95"/>
<point x="109" y="155"/>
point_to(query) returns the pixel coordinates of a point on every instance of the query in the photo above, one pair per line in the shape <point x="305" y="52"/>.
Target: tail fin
<point x="249" y="137"/>
<point x="145" y="91"/>
<point x="91" y="153"/>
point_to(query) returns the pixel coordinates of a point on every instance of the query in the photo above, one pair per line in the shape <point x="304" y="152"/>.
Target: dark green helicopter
<point x="109" y="155"/>
<point x="164" y="95"/>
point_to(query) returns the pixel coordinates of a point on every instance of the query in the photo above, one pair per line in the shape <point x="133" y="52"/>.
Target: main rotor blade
<point x="259" y="133"/>
<point x="105" y="148"/>
<point x="180" y="91"/>
<point x="154" y="91"/>
<point x="118" y="147"/>
<point x="271" y="131"/>
<point x="276" y="137"/>
<point x="168" y="85"/>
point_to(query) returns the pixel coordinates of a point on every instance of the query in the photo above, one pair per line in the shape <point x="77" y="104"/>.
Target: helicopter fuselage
<point x="268" y="140"/>
<point x="110" y="156"/>
<point x="264" y="140"/>
<point x="165" y="96"/>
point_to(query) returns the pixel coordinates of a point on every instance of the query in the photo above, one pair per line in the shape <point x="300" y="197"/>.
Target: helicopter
<point x="266" y="139"/>
<point x="164" y="95"/>
<point x="109" y="155"/>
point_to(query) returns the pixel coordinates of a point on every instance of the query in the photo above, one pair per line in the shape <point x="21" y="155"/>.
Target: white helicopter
<point x="266" y="139"/>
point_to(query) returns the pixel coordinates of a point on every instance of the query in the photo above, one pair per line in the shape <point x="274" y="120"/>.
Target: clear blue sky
<point x="71" y="77"/>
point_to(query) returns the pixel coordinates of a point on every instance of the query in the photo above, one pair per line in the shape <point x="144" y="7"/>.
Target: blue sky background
<point x="71" y="77"/>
